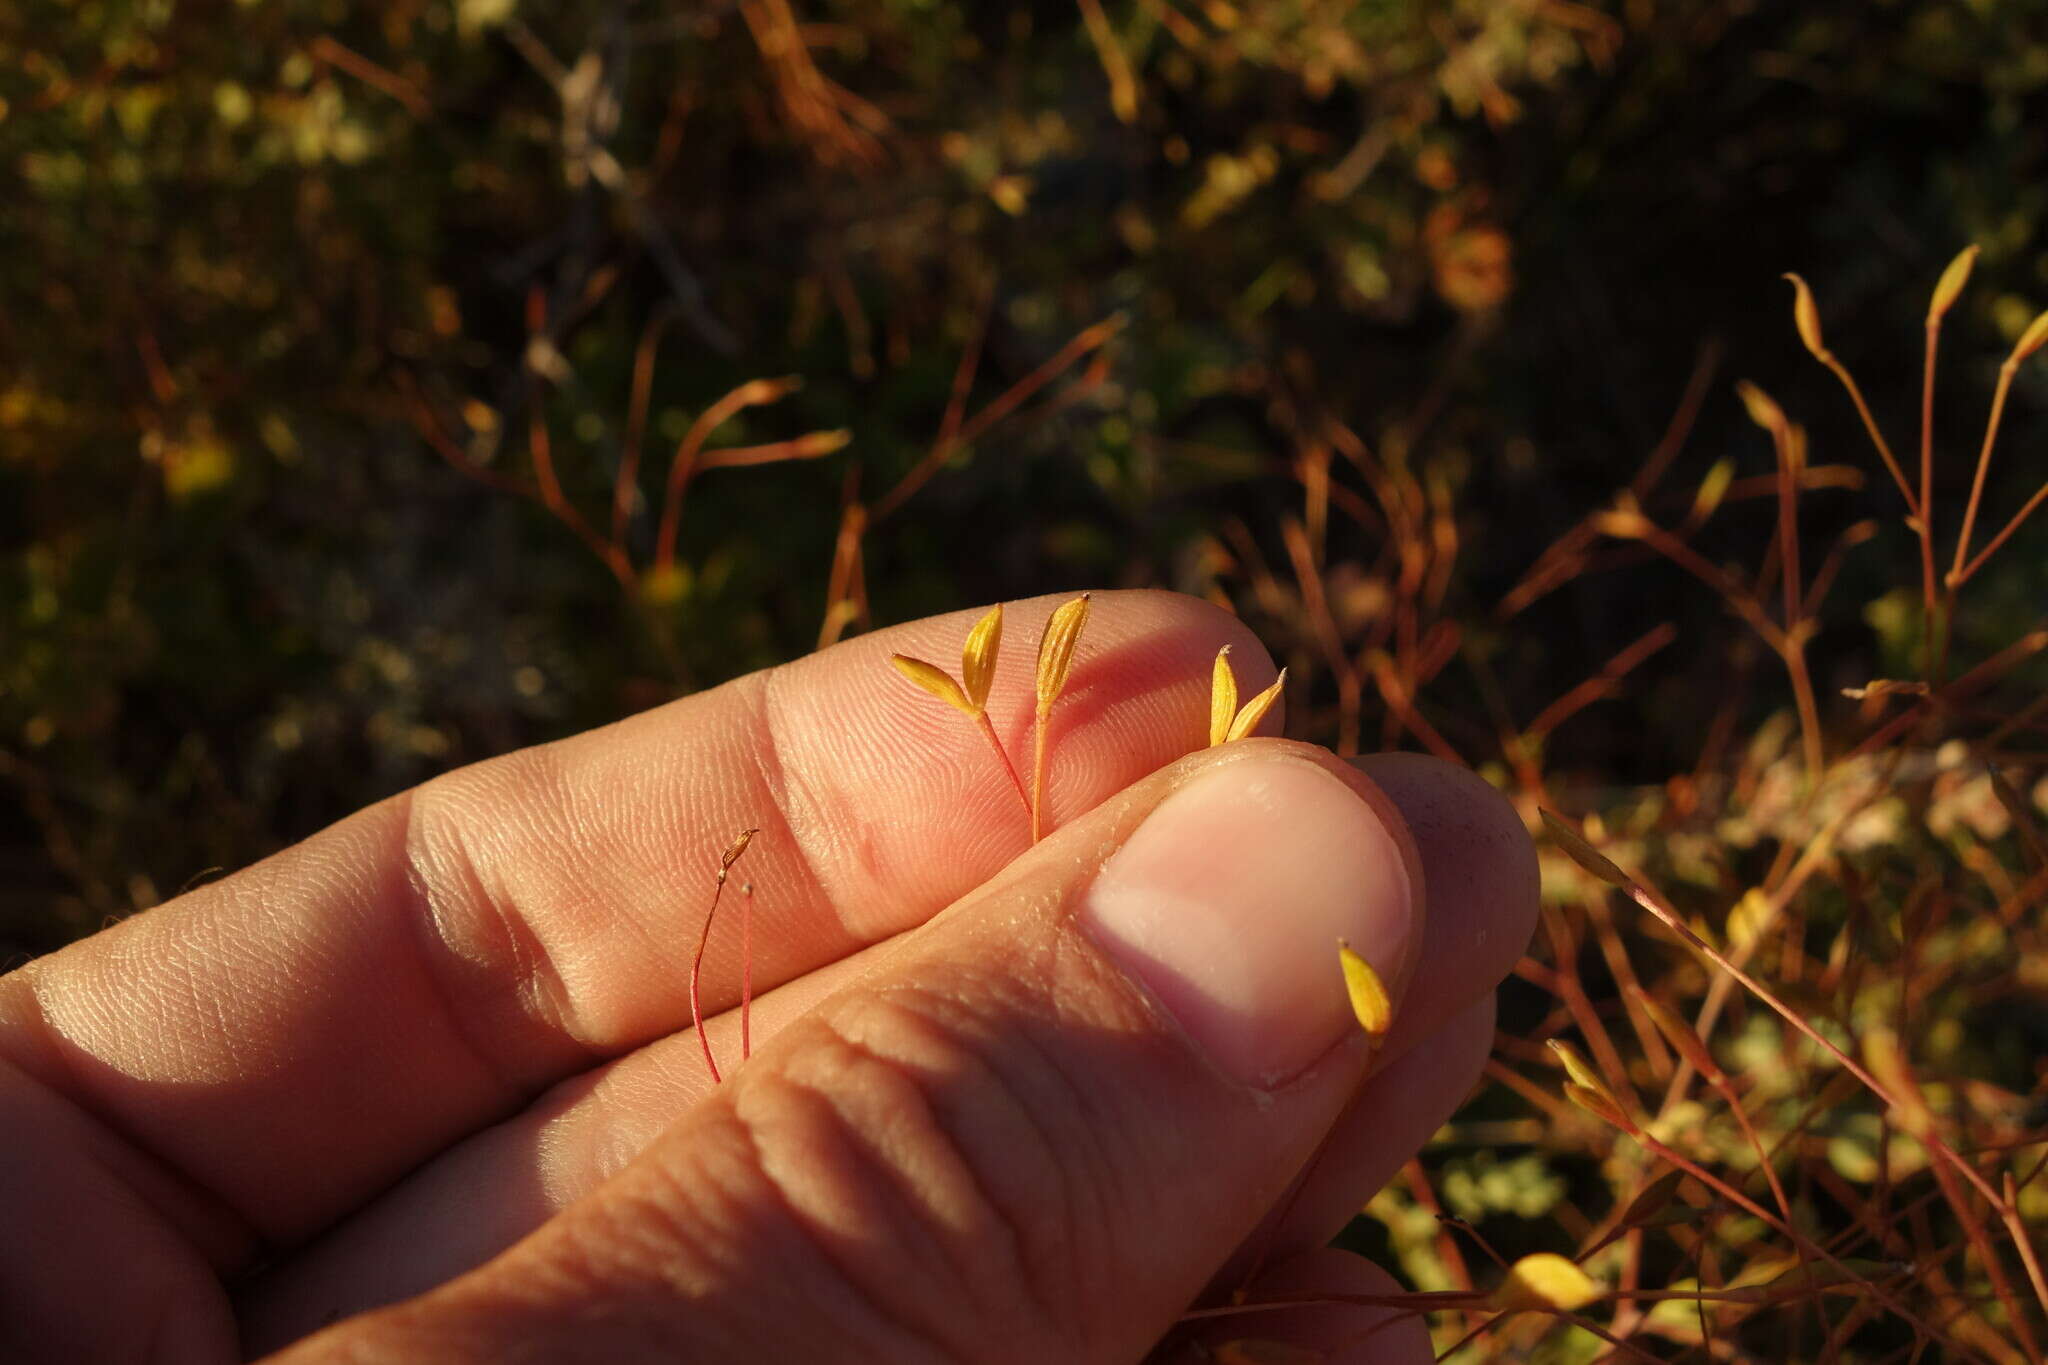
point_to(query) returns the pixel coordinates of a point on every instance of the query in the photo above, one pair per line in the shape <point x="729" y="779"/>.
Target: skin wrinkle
<point x="851" y="1150"/>
<point x="1003" y="1236"/>
<point x="430" y="917"/>
<point x="780" y="782"/>
<point x="749" y="1132"/>
<point x="1062" y="1259"/>
<point x="204" y="1207"/>
<point x="1057" y="1278"/>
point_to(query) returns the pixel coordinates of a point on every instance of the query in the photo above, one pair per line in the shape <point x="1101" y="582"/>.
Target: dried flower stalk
<point x="725" y="862"/>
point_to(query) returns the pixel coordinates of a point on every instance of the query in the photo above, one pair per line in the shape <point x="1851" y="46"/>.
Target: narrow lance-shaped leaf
<point x="1222" y="698"/>
<point x="1255" y="710"/>
<point x="978" y="657"/>
<point x="934" y="680"/>
<point x="1368" y="993"/>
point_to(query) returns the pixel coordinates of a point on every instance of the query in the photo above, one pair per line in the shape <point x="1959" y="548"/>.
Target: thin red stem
<point x="696" y="976"/>
<point x="988" y="731"/>
<point x="747" y="973"/>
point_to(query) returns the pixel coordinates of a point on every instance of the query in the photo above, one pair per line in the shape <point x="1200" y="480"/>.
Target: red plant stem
<point x="1956" y="576"/>
<point x="747" y="973"/>
<point x="1038" y="774"/>
<point x="557" y="502"/>
<point x="627" y="481"/>
<point x="1884" y="450"/>
<point x="684" y="464"/>
<point x="988" y="731"/>
<point x="1935" y="659"/>
<point x="2033" y="504"/>
<point x="1934" y="1143"/>
<point x="1002" y="406"/>
<point x="1756" y="1210"/>
<point x="696" y="975"/>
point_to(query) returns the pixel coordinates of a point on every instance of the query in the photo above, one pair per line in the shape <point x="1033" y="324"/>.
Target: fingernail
<point x="1228" y="901"/>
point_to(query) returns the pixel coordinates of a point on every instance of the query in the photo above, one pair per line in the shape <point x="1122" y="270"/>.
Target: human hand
<point x="435" y="1062"/>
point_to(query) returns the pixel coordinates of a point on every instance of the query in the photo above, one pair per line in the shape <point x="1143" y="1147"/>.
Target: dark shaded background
<point x="242" y="249"/>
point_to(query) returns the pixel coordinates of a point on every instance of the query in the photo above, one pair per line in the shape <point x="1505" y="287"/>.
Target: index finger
<point x="292" y="1038"/>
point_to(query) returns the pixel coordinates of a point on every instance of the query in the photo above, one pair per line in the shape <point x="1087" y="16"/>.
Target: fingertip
<point x="1478" y="864"/>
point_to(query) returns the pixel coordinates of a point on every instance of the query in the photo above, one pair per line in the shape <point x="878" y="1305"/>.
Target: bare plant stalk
<point x="1884" y="449"/>
<point x="1925" y="521"/>
<point x="1038" y="774"/>
<point x="747" y="972"/>
<point x="988" y="732"/>
<point x="731" y="856"/>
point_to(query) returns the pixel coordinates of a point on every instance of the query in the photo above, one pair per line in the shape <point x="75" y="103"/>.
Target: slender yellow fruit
<point x="1600" y="1105"/>
<point x="1222" y="698"/>
<point x="978" y="658"/>
<point x="1368" y="993"/>
<point x="2031" y="340"/>
<point x="1544" y="1281"/>
<point x="1713" y="488"/>
<point x="1951" y="283"/>
<point x="934" y="680"/>
<point x="1056" y="650"/>
<point x="1255" y="710"/>
<point x="735" y="849"/>
<point x="1763" y="409"/>
<point x="1577" y="1067"/>
<point x="1806" y="317"/>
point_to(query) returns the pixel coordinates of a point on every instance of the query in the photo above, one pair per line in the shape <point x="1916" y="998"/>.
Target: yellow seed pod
<point x="1368" y="993"/>
<point x="815" y="443"/>
<point x="1713" y="488"/>
<point x="1583" y="853"/>
<point x="1255" y="710"/>
<point x="1763" y="409"/>
<point x="934" y="680"/>
<point x="1544" y="1281"/>
<point x="736" y="848"/>
<point x="2031" y="340"/>
<point x="1222" y="698"/>
<point x="1577" y="1067"/>
<point x="978" y="658"/>
<point x="1600" y="1105"/>
<point x="1951" y="283"/>
<point x="1806" y="317"/>
<point x="1056" y="650"/>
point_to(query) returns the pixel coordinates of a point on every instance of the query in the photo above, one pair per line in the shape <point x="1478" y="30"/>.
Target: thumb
<point x="1032" y="1132"/>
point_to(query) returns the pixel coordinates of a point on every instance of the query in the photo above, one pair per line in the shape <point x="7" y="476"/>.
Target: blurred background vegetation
<point x="327" y="331"/>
